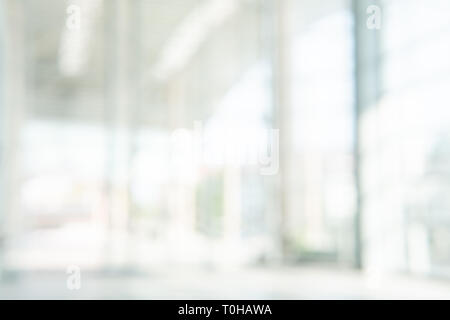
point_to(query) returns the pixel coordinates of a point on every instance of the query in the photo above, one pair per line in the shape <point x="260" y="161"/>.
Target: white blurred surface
<point x="272" y="283"/>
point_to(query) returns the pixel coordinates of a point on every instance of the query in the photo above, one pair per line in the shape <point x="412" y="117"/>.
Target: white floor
<point x="273" y="283"/>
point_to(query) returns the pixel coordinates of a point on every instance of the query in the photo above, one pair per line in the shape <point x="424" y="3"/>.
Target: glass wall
<point x="404" y="141"/>
<point x="323" y="191"/>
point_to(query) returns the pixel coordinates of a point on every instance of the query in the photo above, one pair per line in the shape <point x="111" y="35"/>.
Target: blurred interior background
<point x="358" y="205"/>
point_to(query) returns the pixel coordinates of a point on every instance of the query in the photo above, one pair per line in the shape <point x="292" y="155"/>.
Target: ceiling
<point x="213" y="45"/>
